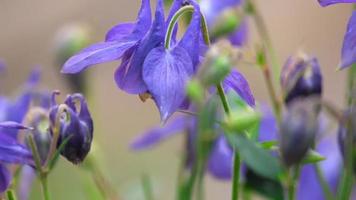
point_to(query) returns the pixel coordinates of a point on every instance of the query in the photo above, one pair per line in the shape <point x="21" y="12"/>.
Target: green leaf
<point x="271" y="189"/>
<point x="55" y="158"/>
<point x="256" y="158"/>
<point x="312" y="157"/>
<point x="268" y="145"/>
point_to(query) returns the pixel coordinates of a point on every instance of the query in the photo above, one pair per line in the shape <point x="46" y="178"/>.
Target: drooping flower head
<point x="146" y="65"/>
<point x="75" y="125"/>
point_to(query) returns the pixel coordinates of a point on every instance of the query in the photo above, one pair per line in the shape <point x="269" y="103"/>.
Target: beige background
<point x="26" y="39"/>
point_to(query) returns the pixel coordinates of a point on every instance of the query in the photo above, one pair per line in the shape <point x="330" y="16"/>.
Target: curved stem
<point x="173" y="22"/>
<point x="56" y="131"/>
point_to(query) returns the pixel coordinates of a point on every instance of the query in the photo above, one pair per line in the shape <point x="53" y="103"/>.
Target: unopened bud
<point x="298" y="130"/>
<point x="301" y="77"/>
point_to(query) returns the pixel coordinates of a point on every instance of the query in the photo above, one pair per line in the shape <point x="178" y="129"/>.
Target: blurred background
<point x="27" y="32"/>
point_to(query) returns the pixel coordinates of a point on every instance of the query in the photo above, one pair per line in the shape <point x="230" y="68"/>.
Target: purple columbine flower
<point x="146" y="65"/>
<point x="212" y="9"/>
<point x="11" y="152"/>
<point x="330" y="2"/>
<point x="76" y="124"/>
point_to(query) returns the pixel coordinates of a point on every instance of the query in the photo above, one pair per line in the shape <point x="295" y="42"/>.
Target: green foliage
<point x="312" y="157"/>
<point x="255" y="157"/>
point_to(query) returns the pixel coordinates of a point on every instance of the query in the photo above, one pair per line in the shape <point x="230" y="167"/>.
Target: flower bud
<point x="301" y="77"/>
<point x="298" y="130"/>
<point x="75" y="123"/>
<point x="218" y="63"/>
<point x="70" y="39"/>
<point x="226" y="23"/>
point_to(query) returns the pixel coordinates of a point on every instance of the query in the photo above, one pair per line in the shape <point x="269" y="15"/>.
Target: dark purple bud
<point x="301" y="77"/>
<point x="75" y="123"/>
<point x="298" y="130"/>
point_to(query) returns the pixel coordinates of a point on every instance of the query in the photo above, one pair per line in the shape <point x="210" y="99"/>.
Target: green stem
<point x="351" y="84"/>
<point x="236" y="168"/>
<point x="236" y="177"/>
<point x="147" y="187"/>
<point x="41" y="170"/>
<point x="172" y="23"/>
<point x="345" y="187"/>
<point x="277" y="107"/>
<point x="292" y="182"/>
<point x="200" y="183"/>
<point x="174" y="20"/>
<point x="262" y="31"/>
<point x="223" y="99"/>
<point x="44" y="185"/>
<point x="328" y="194"/>
<point x="191" y="182"/>
<point x="62" y="109"/>
<point x="10" y="195"/>
<point x="102" y="184"/>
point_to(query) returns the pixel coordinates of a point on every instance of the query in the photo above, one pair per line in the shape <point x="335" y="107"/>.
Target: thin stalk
<point x="42" y="172"/>
<point x="345" y="187"/>
<point x="328" y="194"/>
<point x="192" y="179"/>
<point x="262" y="31"/>
<point x="223" y="99"/>
<point x="236" y="176"/>
<point x="347" y="175"/>
<point x="200" y="182"/>
<point x="237" y="165"/>
<point x="174" y="20"/>
<point x="172" y="23"/>
<point x="45" y="189"/>
<point x="103" y="185"/>
<point x="55" y="130"/>
<point x="147" y="187"/>
<point x="272" y="93"/>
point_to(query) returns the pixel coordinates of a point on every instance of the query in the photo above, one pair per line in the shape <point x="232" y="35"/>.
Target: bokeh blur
<point x="27" y="39"/>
